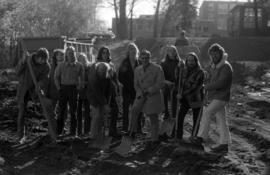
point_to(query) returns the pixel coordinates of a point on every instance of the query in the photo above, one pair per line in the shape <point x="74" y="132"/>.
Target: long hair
<point x="43" y="53"/>
<point x="196" y="58"/>
<point x="99" y="57"/>
<point x="133" y="45"/>
<point x="74" y="52"/>
<point x="176" y="57"/>
<point x="83" y="57"/>
<point x="55" y="53"/>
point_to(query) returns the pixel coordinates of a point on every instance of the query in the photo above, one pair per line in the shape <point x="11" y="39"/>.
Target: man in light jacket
<point x="219" y="94"/>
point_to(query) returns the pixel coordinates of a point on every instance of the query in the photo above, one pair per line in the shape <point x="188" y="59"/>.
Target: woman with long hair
<point x="192" y="92"/>
<point x="169" y="65"/>
<point x="126" y="78"/>
<point x="104" y="55"/>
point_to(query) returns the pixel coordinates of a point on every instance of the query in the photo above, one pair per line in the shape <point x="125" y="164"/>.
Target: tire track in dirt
<point x="244" y="150"/>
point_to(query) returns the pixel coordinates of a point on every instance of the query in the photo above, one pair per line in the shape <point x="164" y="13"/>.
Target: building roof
<point x="247" y="4"/>
<point x="220" y="2"/>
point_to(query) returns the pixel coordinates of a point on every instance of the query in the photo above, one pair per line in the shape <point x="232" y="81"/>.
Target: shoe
<point x="220" y="149"/>
<point x="132" y="135"/>
<point x="116" y="136"/>
<point x="152" y="145"/>
<point x="196" y="140"/>
<point x="163" y="138"/>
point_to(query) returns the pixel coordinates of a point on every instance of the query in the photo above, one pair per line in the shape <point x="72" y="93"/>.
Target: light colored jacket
<point x="151" y="80"/>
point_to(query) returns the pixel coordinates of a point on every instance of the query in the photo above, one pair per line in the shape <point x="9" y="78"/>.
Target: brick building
<point x="214" y="14"/>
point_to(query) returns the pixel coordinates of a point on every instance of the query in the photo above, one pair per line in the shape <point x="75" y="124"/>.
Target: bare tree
<point x="156" y="20"/>
<point x="179" y="13"/>
<point x="122" y="19"/>
<point x="257" y="30"/>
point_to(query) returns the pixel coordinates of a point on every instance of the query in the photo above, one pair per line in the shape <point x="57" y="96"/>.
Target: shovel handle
<point x="179" y="91"/>
<point x="196" y="128"/>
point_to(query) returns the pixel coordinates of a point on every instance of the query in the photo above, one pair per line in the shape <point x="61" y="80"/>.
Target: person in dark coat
<point x="83" y="102"/>
<point x="104" y="55"/>
<point x="218" y="90"/>
<point x="126" y="78"/>
<point x="192" y="92"/>
<point x="26" y="89"/>
<point x="169" y="65"/>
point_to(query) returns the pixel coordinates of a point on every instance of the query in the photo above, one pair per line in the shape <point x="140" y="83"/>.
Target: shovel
<point x="196" y="147"/>
<point x="45" y="104"/>
<point x="125" y="147"/>
<point x="168" y="123"/>
<point x="167" y="127"/>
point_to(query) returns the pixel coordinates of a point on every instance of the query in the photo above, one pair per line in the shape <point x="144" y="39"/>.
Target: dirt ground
<point x="249" y="152"/>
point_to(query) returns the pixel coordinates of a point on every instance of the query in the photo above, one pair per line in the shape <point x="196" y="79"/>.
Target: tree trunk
<point x="256" y="17"/>
<point x="116" y="18"/>
<point x="156" y="20"/>
<point x="131" y="20"/>
<point x="123" y="20"/>
<point x="166" y="22"/>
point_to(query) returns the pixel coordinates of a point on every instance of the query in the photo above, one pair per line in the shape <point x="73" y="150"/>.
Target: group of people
<point x="78" y="88"/>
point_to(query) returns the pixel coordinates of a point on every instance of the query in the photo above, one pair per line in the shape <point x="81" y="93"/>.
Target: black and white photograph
<point x="134" y="87"/>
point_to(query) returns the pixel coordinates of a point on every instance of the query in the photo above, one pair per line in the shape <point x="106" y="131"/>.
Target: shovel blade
<point x="167" y="126"/>
<point x="125" y="147"/>
<point x="103" y="143"/>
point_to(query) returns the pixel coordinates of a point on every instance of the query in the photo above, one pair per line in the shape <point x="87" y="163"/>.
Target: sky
<point x="143" y="7"/>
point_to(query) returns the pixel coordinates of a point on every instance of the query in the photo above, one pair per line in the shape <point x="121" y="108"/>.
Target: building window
<point x="223" y="9"/>
<point x="222" y="24"/>
<point x="249" y="18"/>
<point x="205" y="29"/>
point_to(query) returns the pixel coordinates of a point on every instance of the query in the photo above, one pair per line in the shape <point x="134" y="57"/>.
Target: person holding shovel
<point x="192" y="92"/>
<point x="169" y="65"/>
<point x="126" y="78"/>
<point x="148" y="82"/>
<point x="219" y="94"/>
<point x="26" y="89"/>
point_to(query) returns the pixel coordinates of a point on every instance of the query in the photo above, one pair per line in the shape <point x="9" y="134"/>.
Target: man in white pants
<point x="219" y="94"/>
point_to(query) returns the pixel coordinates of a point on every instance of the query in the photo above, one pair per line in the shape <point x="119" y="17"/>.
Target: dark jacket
<point x="83" y="91"/>
<point x="221" y="81"/>
<point x="193" y="87"/>
<point x="98" y="90"/>
<point x="169" y="67"/>
<point x="25" y="79"/>
<point x="52" y="90"/>
<point x="126" y="76"/>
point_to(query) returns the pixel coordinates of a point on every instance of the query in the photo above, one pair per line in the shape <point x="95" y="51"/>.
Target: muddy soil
<point x="249" y="151"/>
